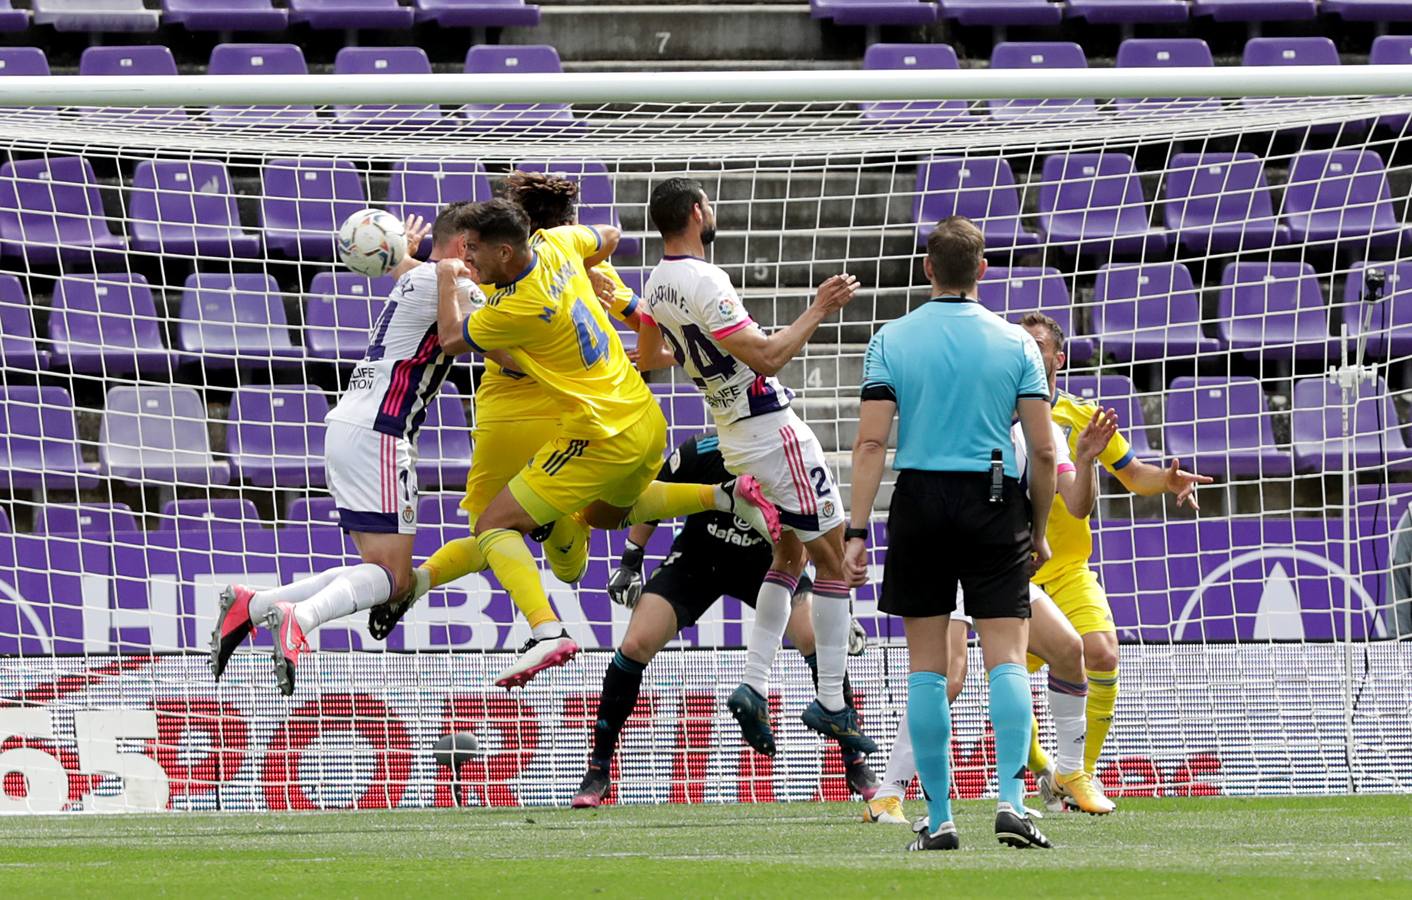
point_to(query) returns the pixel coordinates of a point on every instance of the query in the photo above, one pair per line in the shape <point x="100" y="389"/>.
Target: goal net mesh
<point x="173" y="326"/>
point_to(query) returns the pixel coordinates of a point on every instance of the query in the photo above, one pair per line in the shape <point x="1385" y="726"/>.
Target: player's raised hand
<point x="1096" y="435"/>
<point x="603" y="287"/>
<point x="1183" y="484"/>
<point x="835" y="293"/>
<point x="416" y="229"/>
<point x="454" y="266"/>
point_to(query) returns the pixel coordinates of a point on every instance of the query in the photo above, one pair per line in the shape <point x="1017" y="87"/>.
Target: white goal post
<point x="1233" y="268"/>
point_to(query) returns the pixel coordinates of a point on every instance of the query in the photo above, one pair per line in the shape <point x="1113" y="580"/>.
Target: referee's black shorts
<point x="943" y="531"/>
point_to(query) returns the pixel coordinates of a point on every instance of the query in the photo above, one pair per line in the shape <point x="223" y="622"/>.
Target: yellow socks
<point x="1102" y="697"/>
<point x="511" y="561"/>
<point x="566" y="548"/>
<point x="663" y="500"/>
<point x="1039" y="760"/>
<point x="454" y="560"/>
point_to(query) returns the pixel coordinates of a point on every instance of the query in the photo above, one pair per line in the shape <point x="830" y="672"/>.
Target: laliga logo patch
<point x="726" y="307"/>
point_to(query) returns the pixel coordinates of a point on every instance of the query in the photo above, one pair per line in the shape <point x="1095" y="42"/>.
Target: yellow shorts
<point x="1081" y="599"/>
<point x="502" y="448"/>
<point x="568" y="474"/>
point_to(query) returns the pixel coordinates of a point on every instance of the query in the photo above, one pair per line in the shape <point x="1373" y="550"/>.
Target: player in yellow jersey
<point x="514" y="417"/>
<point x="1066" y="577"/>
<point x="542" y="312"/>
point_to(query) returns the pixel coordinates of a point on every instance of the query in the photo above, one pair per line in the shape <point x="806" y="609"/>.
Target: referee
<point x="954" y="375"/>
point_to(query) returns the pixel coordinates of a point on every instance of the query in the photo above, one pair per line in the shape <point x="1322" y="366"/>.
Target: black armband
<point x="879" y="392"/>
<point x="850" y="534"/>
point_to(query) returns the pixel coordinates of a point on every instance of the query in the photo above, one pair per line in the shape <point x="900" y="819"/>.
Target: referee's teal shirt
<point x="956" y="370"/>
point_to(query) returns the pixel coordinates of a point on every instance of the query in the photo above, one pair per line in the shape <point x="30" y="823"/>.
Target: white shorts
<point x="1037" y="595"/>
<point x="788" y="461"/>
<point x="373" y="479"/>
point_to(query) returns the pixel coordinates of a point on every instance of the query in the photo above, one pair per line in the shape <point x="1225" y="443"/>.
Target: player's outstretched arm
<point x="1079" y="489"/>
<point x="1146" y="480"/>
<point x="416" y="228"/>
<point x="869" y="459"/>
<point x="608" y="238"/>
<point x="1039" y="438"/>
<point x="767" y="354"/>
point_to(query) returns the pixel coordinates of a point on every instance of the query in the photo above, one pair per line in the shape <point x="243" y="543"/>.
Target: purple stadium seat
<point x="12" y="19"/>
<point x="1274" y="311"/>
<point x="158" y="433"/>
<point x="304" y="201"/>
<point x="1392" y="50"/>
<point x="478" y="13"/>
<point x="442" y="511"/>
<point x="874" y="12"/>
<point x="1038" y="55"/>
<point x="187" y="208"/>
<point x="18" y="349"/>
<point x="423" y="187"/>
<point x="444" y="442"/>
<point x="225" y="15"/>
<point x="107" y="325"/>
<point x="1254" y="10"/>
<point x="50" y="209"/>
<point x="1222" y="427"/>
<point x="1015" y="291"/>
<point x="1001" y="12"/>
<point x="148" y="59"/>
<point x="1091" y="204"/>
<point x="1341" y="196"/>
<point x="1369" y="10"/>
<point x="1127" y="12"/>
<point x="911" y="56"/>
<point x="38" y="445"/>
<point x="385" y="61"/>
<point x="234" y="321"/>
<point x="685" y="410"/>
<point x="203" y="514"/>
<point x="1115" y="392"/>
<point x="1148" y="311"/>
<point x="95" y="15"/>
<point x="1316" y="425"/>
<point x="485" y="59"/>
<point x="1390" y="328"/>
<point x="23" y="61"/>
<point x="340" y="313"/>
<point x="92" y="521"/>
<point x="276" y="435"/>
<point x="982" y="189"/>
<point x="350" y="14"/>
<point x="1295" y="51"/>
<point x="312" y="511"/>
<point x="1219" y="203"/>
<point x="259" y="59"/>
<point x="1381" y="502"/>
<point x="596" y="196"/>
<point x="1162" y="53"/>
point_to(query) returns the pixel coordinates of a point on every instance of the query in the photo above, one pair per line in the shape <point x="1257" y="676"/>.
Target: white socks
<point x="1067" y="704"/>
<point x="901" y="765"/>
<point x="303" y="589"/>
<point x="354" y="588"/>
<point x="771" y="616"/>
<point x="831" y="621"/>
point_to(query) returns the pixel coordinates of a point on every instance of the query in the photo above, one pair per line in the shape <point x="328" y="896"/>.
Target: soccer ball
<point x="372" y="242"/>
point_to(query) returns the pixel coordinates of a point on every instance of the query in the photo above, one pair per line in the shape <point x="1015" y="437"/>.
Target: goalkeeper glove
<point x="625" y="585"/>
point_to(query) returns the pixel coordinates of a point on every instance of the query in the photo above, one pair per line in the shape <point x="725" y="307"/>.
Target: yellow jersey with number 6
<point x="555" y="329"/>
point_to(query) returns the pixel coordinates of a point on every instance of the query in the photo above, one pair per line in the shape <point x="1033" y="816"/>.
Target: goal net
<point x="1233" y="276"/>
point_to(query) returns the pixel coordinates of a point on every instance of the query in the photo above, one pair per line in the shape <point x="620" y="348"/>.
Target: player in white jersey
<point x="691" y="305"/>
<point x="370" y="463"/>
<point x="1052" y="640"/>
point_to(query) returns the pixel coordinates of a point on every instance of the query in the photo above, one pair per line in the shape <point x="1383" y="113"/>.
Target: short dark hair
<point x="956" y="249"/>
<point x="547" y="199"/>
<point x="1040" y="320"/>
<point x="450" y="222"/>
<point x="672" y="202"/>
<point x="499" y="220"/>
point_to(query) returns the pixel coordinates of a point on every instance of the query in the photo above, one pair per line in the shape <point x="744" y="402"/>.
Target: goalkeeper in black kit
<point x="713" y="555"/>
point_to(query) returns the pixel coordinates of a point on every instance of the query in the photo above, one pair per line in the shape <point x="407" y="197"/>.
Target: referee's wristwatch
<point x="851" y="534"/>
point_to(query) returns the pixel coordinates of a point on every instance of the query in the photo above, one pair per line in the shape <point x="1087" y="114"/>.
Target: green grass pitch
<point x="1342" y="847"/>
